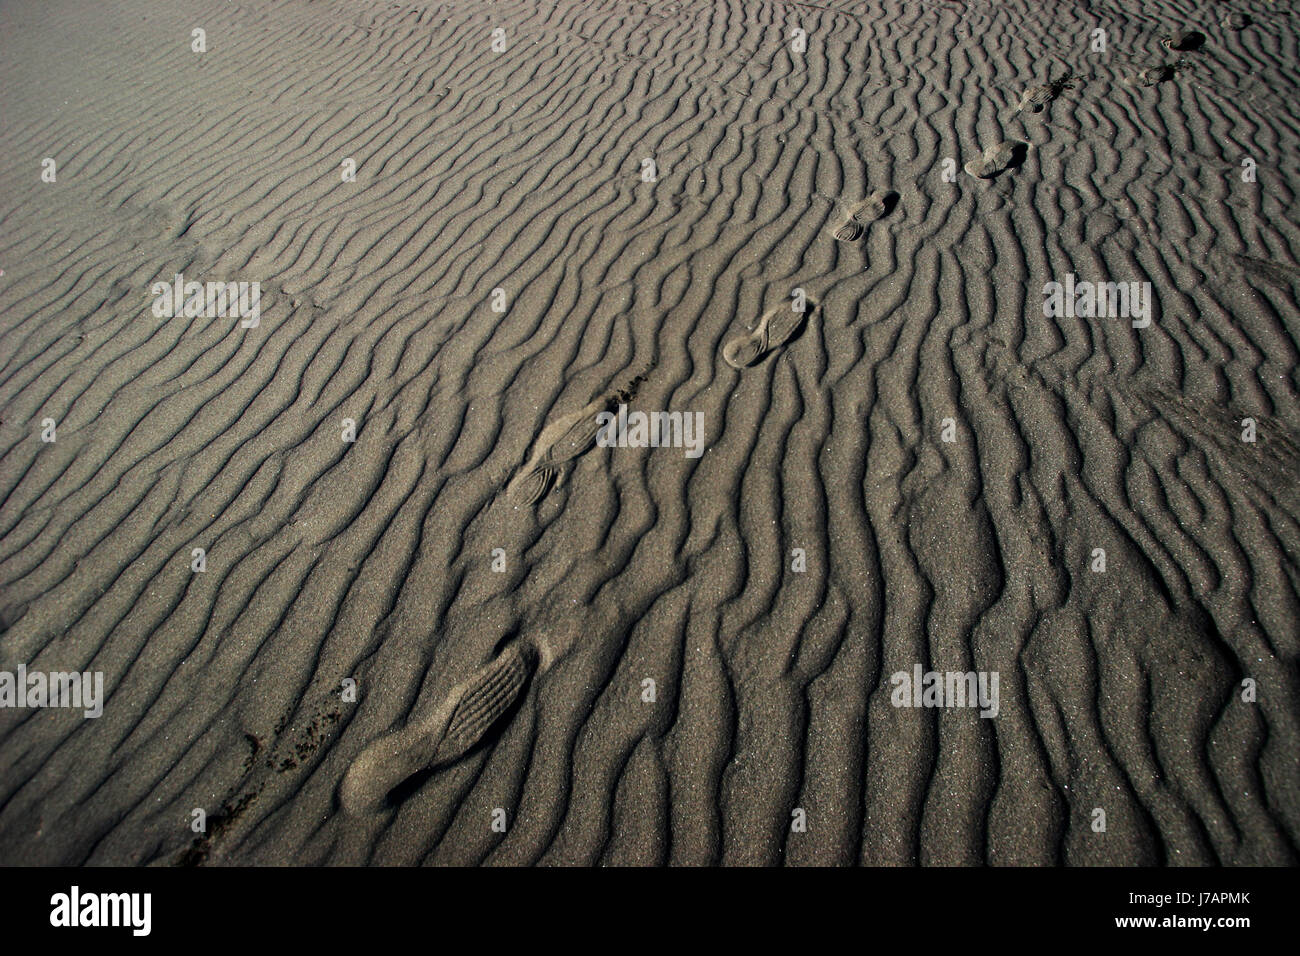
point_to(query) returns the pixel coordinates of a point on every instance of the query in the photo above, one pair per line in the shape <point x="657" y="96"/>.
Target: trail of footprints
<point x="1007" y="154"/>
<point x="475" y="705"/>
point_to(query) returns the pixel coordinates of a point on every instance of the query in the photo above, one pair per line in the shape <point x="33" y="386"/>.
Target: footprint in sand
<point x="775" y="328"/>
<point x="1184" y="40"/>
<point x="560" y="442"/>
<point x="446" y="735"/>
<point x="996" y="159"/>
<point x="1036" y="98"/>
<point x="532" y="485"/>
<point x="854" y="224"/>
<point x="1153" y="75"/>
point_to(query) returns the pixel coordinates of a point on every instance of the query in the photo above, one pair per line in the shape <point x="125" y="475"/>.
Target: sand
<point x="475" y="633"/>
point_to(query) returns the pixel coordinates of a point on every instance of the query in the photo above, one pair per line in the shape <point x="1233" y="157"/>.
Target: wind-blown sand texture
<point x="522" y="170"/>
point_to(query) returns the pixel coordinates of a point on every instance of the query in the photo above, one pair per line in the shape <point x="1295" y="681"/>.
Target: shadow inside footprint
<point x="406" y="789"/>
<point x="1184" y="40"/>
